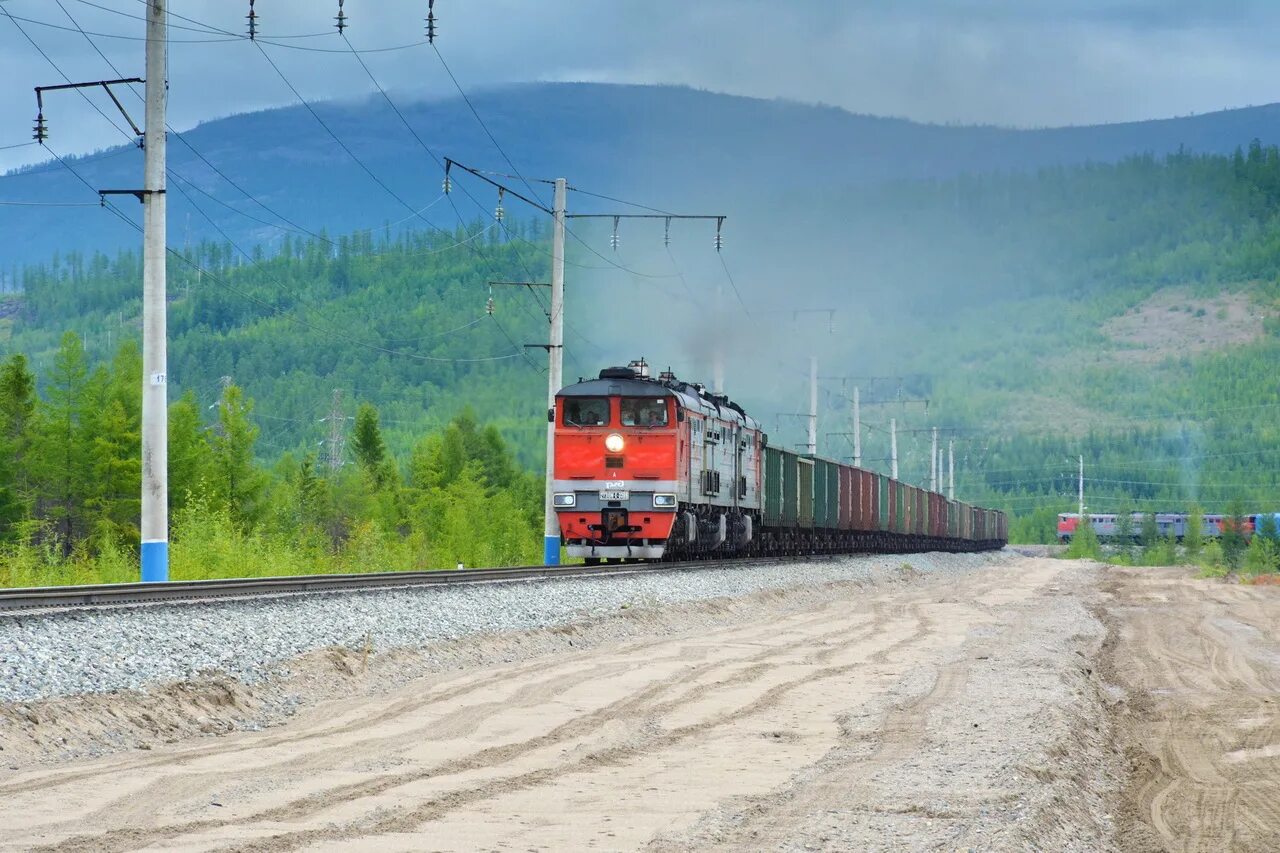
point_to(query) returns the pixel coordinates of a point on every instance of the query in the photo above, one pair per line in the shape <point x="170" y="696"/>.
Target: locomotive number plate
<point x="614" y="494"/>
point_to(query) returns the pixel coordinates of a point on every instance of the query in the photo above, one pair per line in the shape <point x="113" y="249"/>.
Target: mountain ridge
<point x="700" y="147"/>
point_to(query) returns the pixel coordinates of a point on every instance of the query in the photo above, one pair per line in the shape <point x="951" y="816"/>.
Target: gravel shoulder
<point x="948" y="703"/>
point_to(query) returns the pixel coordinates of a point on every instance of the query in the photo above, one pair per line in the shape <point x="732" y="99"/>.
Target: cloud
<point x="1009" y="62"/>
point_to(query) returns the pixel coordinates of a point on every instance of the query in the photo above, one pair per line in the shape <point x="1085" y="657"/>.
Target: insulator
<point x="431" y="22"/>
<point x="40" y="131"/>
<point x="447" y="184"/>
<point x="498" y="212"/>
<point x="719" y="239"/>
<point x="341" y="18"/>
<point x="488" y="306"/>
<point x="253" y="21"/>
<point x="666" y="233"/>
<point x="613" y="239"/>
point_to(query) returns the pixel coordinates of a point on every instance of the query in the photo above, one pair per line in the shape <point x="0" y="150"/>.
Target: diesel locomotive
<point x="652" y="468"/>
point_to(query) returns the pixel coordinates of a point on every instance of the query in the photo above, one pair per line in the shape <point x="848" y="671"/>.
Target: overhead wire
<point x="440" y="163"/>
<point x="54" y="26"/>
<point x="63" y="74"/>
<point x="283" y="315"/>
<point x="49" y="203"/>
<point x="338" y="140"/>
<point x="217" y="279"/>
<point x="485" y="127"/>
<point x="172" y="131"/>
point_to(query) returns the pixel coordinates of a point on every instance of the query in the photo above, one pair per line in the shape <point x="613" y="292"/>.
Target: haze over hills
<point x="662" y="145"/>
<point x="1038" y="308"/>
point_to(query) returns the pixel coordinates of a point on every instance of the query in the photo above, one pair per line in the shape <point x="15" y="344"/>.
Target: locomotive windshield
<point x="644" y="411"/>
<point x="586" y="411"/>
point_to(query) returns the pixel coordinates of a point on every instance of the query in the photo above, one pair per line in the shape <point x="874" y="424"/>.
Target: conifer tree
<point x="1193" y="536"/>
<point x="63" y="462"/>
<point x="114" y="493"/>
<point x="189" y="452"/>
<point x="367" y="443"/>
<point x="1150" y="532"/>
<point x="233" y="477"/>
<point x="1124" y="529"/>
<point x="18" y="426"/>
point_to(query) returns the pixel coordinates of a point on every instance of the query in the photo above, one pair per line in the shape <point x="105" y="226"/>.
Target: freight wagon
<point x="659" y="468"/>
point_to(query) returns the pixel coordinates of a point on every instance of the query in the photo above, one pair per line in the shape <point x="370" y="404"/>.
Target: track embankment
<point x="954" y="708"/>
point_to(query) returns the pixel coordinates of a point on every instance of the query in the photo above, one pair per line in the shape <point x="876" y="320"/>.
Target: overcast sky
<point x="1008" y="62"/>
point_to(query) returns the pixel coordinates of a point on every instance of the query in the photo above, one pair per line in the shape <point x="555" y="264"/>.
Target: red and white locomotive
<point x="650" y="469"/>
<point x="647" y="468"/>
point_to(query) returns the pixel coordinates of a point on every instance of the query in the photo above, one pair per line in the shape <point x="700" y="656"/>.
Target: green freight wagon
<point x="773" y="516"/>
<point x="790" y="488"/>
<point x="804" y="467"/>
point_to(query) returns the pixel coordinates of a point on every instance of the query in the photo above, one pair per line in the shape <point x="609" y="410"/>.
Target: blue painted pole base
<point x="155" y="562"/>
<point x="551" y="550"/>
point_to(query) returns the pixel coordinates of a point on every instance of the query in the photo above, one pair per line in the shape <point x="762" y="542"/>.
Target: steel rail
<point x="23" y="599"/>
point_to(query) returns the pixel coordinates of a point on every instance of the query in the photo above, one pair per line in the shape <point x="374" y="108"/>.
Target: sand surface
<point x="1035" y="704"/>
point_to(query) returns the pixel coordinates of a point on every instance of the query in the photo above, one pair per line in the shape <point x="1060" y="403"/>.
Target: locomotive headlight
<point x="613" y="443"/>
<point x="564" y="499"/>
<point x="666" y="501"/>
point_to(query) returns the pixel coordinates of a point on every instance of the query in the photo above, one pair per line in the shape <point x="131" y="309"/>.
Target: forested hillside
<point x="1093" y="319"/>
<point x="1028" y="309"/>
<point x="400" y="321"/>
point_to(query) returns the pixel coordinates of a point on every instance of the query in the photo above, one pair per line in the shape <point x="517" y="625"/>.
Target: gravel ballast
<point x="62" y="653"/>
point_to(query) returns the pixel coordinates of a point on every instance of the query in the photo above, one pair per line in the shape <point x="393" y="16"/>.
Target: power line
<point x="61" y="73"/>
<point x="417" y="138"/>
<point x="338" y="140"/>
<point x="49" y="203"/>
<point x="192" y="148"/>
<point x="734" y="285"/>
<point x="280" y="312"/>
<point x="275" y="41"/>
<point x="53" y="26"/>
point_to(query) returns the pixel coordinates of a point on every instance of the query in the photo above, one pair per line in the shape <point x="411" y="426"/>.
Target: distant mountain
<point x="661" y="144"/>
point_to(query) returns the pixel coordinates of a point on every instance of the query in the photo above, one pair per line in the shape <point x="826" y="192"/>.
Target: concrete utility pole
<point x="1082" y="487"/>
<point x="951" y="470"/>
<point x="555" y="358"/>
<point x="893" y="448"/>
<point x="857" y="429"/>
<point x="155" y="398"/>
<point x="555" y="346"/>
<point x="813" y="405"/>
<point x="933" y="463"/>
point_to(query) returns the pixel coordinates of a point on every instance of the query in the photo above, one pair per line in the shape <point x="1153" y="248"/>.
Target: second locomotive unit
<point x="650" y="469"/>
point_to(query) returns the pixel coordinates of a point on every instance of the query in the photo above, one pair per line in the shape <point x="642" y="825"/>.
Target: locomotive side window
<point x="586" y="411"/>
<point x="644" y="411"/>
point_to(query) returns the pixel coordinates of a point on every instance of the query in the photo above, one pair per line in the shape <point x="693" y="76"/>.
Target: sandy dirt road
<point x="930" y="713"/>
<point x="1200" y="662"/>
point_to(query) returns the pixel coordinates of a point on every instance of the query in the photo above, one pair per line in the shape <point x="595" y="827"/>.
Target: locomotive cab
<point x="615" y="472"/>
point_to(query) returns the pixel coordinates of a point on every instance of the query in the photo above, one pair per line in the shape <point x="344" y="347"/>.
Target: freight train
<point x="1167" y="524"/>
<point x="660" y="469"/>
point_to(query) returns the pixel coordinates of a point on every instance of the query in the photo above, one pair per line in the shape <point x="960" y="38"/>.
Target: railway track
<point x="114" y="595"/>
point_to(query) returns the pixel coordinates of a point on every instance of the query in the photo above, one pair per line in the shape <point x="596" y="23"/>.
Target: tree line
<point x="70" y="486"/>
